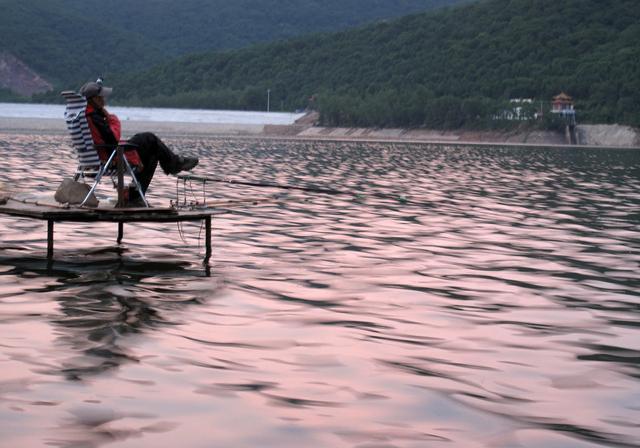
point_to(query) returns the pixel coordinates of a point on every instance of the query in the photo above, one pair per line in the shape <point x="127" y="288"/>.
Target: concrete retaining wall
<point x="608" y="135"/>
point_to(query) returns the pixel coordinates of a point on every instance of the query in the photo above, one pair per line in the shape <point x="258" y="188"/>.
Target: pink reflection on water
<point x="499" y="314"/>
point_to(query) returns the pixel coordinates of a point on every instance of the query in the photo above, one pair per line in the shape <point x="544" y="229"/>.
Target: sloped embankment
<point x="608" y="135"/>
<point x="16" y="76"/>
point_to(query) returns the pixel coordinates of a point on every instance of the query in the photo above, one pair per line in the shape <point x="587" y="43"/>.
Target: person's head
<point x="95" y="93"/>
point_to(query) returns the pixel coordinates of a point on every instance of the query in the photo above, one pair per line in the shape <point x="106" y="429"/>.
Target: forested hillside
<point x="449" y="68"/>
<point x="67" y="41"/>
<point x="189" y="26"/>
<point x="61" y="43"/>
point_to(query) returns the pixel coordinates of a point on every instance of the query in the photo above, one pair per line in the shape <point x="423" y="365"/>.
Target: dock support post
<point x="207" y="227"/>
<point x="120" y="170"/>
<point x="120" y="232"/>
<point x="50" y="239"/>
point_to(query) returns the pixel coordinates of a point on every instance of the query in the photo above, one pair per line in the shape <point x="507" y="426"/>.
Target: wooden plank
<point x="42" y="210"/>
<point x="122" y="215"/>
<point x="153" y="214"/>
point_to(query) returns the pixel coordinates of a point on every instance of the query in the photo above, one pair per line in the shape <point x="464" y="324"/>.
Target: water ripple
<point x="460" y="297"/>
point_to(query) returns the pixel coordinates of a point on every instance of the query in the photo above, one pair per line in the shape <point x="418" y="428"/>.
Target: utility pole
<point x="268" y="100"/>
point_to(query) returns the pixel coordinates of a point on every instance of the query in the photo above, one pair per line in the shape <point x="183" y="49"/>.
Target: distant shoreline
<point x="535" y="139"/>
<point x="129" y="127"/>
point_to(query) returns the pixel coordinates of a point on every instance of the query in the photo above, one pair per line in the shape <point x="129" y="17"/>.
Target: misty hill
<point x="445" y="68"/>
<point x="66" y="41"/>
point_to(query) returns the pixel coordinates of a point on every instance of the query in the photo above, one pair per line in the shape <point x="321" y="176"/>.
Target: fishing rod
<point x="262" y="184"/>
<point x="330" y="191"/>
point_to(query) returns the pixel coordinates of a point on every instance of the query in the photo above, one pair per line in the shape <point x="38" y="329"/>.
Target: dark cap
<point x="91" y="89"/>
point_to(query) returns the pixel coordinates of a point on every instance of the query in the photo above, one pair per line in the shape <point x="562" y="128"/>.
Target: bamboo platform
<point x="53" y="213"/>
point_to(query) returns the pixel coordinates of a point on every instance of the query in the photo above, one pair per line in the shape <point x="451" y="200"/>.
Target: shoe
<point x="135" y="200"/>
<point x="186" y="164"/>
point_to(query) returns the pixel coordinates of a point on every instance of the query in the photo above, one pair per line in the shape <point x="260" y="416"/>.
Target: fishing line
<point x="179" y="223"/>
<point x="311" y="189"/>
<point x="195" y="203"/>
<point x="204" y="193"/>
<point x="185" y="204"/>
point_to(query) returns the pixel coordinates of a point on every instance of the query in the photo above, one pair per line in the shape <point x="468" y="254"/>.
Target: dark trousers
<point x="153" y="151"/>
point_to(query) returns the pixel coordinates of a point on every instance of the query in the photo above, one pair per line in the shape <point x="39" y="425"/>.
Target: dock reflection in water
<point x="463" y="297"/>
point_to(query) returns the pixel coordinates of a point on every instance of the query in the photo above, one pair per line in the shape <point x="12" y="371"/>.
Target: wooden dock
<point x="53" y="213"/>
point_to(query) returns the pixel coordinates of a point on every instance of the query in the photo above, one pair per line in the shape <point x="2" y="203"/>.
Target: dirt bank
<point x="16" y="76"/>
<point x="588" y="135"/>
<point x="413" y="135"/>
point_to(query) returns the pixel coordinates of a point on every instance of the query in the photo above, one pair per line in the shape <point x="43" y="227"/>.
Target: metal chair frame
<point x="89" y="163"/>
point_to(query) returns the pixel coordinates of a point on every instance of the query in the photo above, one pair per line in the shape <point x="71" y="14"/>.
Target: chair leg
<point x="136" y="184"/>
<point x="103" y="169"/>
<point x="93" y="187"/>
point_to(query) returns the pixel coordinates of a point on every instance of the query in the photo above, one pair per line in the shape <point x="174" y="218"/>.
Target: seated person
<point x="106" y="130"/>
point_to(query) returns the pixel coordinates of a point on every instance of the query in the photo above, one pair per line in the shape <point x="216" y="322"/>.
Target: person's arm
<point x="114" y="125"/>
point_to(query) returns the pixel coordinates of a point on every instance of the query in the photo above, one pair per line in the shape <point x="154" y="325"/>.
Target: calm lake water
<point x="156" y="114"/>
<point x="484" y="297"/>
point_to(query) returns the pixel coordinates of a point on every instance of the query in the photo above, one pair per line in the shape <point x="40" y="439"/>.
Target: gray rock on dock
<point x="72" y="192"/>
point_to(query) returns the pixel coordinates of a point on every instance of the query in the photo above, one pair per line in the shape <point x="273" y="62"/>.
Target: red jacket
<point x="106" y="130"/>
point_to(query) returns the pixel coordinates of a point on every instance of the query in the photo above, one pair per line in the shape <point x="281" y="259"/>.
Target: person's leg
<point x="155" y="149"/>
<point x="146" y="149"/>
<point x="152" y="151"/>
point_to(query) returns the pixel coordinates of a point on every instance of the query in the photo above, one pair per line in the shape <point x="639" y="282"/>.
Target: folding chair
<point x="90" y="162"/>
